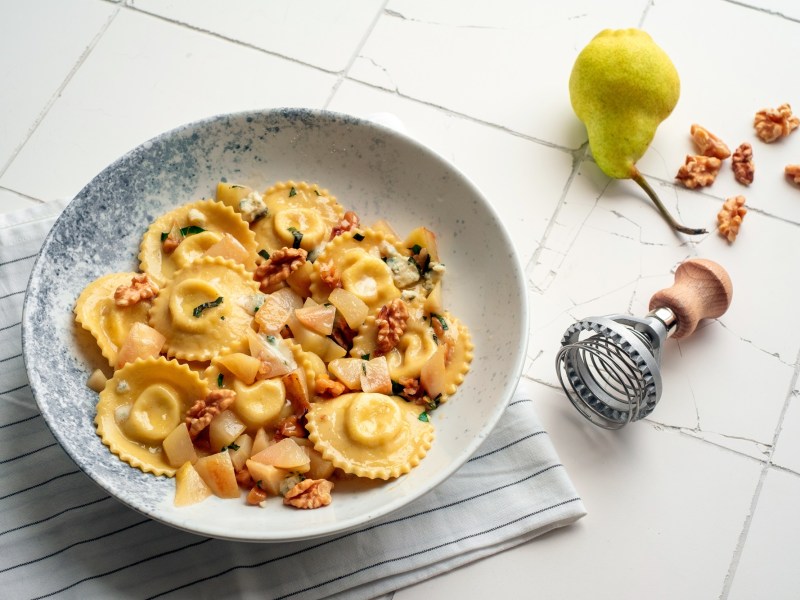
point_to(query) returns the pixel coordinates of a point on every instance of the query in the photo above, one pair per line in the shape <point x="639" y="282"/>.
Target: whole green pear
<point x="622" y="86"/>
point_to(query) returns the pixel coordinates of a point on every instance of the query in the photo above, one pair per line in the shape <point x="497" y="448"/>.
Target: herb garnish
<point x="263" y="254"/>
<point x="416" y="249"/>
<point x="220" y="380"/>
<point x="358" y="237"/>
<point x="198" y="310"/>
<point x="397" y="388"/>
<point x="292" y="192"/>
<point x="184" y="231"/>
<point x="298" y="236"/>
<point x="441" y="320"/>
<point x="423" y="416"/>
<point x="365" y="357"/>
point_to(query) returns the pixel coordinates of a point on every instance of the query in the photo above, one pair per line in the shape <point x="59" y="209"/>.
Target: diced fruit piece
<point x="229" y="247"/>
<point x="142" y="342"/>
<point x="286" y="454"/>
<point x="348" y="371"/>
<point x="433" y="303"/>
<point x="275" y="310"/>
<point x="242" y="366"/>
<point x="311" y="341"/>
<point x="267" y="477"/>
<point x="217" y="471"/>
<point x="97" y="381"/>
<point x="189" y="486"/>
<point x="231" y="194"/>
<point x="297" y="391"/>
<point x="256" y="495"/>
<point x="244" y="448"/>
<point x="352" y="308"/>
<point x="433" y="374"/>
<point x="375" y="376"/>
<point x="319" y="468"/>
<point x="275" y="356"/>
<point x="424" y="238"/>
<point x="318" y="319"/>
<point x="260" y="441"/>
<point x="224" y="429"/>
<point x="178" y="446"/>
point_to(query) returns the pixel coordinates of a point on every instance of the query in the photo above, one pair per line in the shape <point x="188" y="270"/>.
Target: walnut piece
<point x="279" y="266"/>
<point x="141" y="288"/>
<point x="793" y="171"/>
<point x="328" y="274"/>
<point x="349" y="222"/>
<point x="698" y="171"/>
<point x="291" y="426"/>
<point x="391" y="323"/>
<point x="309" y="493"/>
<point x="203" y="411"/>
<point x="730" y="217"/>
<point x="742" y="163"/>
<point x="325" y="386"/>
<point x="774" y="123"/>
<point x="709" y="144"/>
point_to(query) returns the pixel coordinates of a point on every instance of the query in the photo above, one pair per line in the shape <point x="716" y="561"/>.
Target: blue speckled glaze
<point x="373" y="170"/>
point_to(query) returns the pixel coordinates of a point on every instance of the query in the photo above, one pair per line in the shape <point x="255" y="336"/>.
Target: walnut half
<point x="698" y="171"/>
<point x="203" y="411"/>
<point x="730" y="217"/>
<point x="279" y="266"/>
<point x="709" y="144"/>
<point x="774" y="123"/>
<point x="141" y="288"/>
<point x="309" y="493"/>
<point x="742" y="164"/>
<point x="391" y="323"/>
<point x="793" y="172"/>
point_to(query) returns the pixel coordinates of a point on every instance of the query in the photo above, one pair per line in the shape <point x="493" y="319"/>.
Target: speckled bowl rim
<point x="45" y="396"/>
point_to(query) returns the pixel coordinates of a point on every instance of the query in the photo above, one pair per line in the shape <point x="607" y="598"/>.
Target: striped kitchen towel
<point x="63" y="536"/>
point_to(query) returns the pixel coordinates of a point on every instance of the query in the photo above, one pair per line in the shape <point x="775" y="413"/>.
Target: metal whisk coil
<point x="609" y="366"/>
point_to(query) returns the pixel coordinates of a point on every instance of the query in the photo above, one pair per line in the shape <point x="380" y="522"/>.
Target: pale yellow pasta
<point x="201" y="311"/>
<point x="141" y="405"/>
<point x="214" y="219"/>
<point x="97" y="312"/>
<point x="370" y="435"/>
<point x="294" y="209"/>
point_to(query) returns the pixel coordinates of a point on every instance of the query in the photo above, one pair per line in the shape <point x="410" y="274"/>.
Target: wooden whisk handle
<point x="702" y="290"/>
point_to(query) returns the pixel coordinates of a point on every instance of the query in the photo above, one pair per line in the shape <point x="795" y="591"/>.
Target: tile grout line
<point x="356" y="53"/>
<point x="737" y="553"/>
<point x="57" y="94"/>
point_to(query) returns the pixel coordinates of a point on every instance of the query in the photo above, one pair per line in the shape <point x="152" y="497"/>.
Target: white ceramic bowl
<point x="370" y="169"/>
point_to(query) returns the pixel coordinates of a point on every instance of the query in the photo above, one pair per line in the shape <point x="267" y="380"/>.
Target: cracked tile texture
<point x="696" y="501"/>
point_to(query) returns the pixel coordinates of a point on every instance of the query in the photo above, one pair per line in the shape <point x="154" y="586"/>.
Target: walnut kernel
<point x="742" y="164"/>
<point x="698" y="171"/>
<point x="309" y="493"/>
<point x="709" y="144"/>
<point x="203" y="411"/>
<point x="730" y="217"/>
<point x="774" y="123"/>
<point x="391" y="323"/>
<point x="279" y="266"/>
<point x="141" y="288"/>
<point x="793" y="171"/>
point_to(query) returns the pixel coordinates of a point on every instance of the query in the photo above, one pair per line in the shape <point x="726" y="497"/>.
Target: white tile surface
<point x="768" y="564"/>
<point x="697" y="502"/>
<point x="128" y="91"/>
<point x="322" y="33"/>
<point x="30" y="36"/>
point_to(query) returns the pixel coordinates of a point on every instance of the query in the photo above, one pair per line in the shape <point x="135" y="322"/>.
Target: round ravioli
<point x="98" y="313"/>
<point x="358" y="258"/>
<point x="141" y="405"/>
<point x="369" y="435"/>
<point x="201" y="225"/>
<point x="203" y="311"/>
<point x="297" y="211"/>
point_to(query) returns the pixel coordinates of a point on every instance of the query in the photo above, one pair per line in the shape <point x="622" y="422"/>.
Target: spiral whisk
<point x="609" y="366"/>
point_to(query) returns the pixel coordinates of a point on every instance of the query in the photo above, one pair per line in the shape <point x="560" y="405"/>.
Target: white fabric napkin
<point x="63" y="536"/>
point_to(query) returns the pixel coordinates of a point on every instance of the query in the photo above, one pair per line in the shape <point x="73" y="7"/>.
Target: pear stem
<point x="637" y="177"/>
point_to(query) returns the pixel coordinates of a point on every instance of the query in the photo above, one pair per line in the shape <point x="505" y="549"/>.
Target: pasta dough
<point x="370" y="435"/>
<point x="141" y="405"/>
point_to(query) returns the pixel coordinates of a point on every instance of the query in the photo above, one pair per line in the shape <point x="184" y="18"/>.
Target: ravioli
<point x="141" y="405"/>
<point x="370" y="435"/>
<point x="202" y="311"/>
<point x="98" y="313"/>
<point x="200" y="224"/>
<point x="298" y="213"/>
